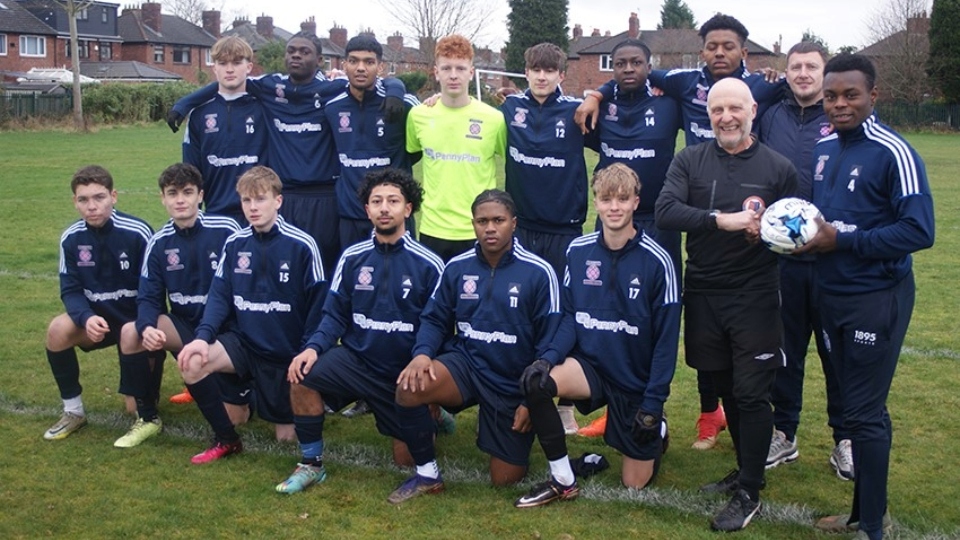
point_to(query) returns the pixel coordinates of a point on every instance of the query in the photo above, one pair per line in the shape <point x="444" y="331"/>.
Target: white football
<point x="789" y="224"/>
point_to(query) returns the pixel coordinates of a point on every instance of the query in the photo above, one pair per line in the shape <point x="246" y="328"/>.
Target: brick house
<point x="901" y="59"/>
<point x="25" y="41"/>
<point x="167" y="42"/>
<point x="97" y="35"/>
<point x="589" y="63"/>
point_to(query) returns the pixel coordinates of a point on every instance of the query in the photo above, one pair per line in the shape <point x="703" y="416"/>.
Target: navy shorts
<point x="232" y="390"/>
<point x="268" y="376"/>
<point x="112" y="338"/>
<point x="551" y="247"/>
<point x="495" y="435"/>
<point x="740" y="330"/>
<point x="621" y="410"/>
<point x="315" y="211"/>
<point x="342" y="377"/>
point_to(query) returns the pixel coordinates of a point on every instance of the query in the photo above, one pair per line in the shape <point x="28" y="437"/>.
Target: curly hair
<point x="454" y="46"/>
<point x="409" y="188"/>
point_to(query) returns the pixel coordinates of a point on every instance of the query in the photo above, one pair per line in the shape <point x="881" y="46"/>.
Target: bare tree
<point x="191" y="10"/>
<point x="900" y="49"/>
<point x="72" y="8"/>
<point x="429" y="20"/>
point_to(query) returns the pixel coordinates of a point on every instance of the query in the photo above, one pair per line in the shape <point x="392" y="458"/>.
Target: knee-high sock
<point x="136" y="378"/>
<point x="310" y="436"/>
<point x="206" y="392"/>
<point x="546" y="420"/>
<point x="417" y="431"/>
<point x="66" y="371"/>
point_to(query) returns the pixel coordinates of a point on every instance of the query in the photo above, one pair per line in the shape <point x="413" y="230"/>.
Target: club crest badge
<point x="345" y="123"/>
<point x="85" y="256"/>
<point x="470" y="288"/>
<point x="173" y="260"/>
<point x="825" y="129"/>
<point x="281" y="96"/>
<point x="364" y="279"/>
<point x="593" y="274"/>
<point x="474" y="130"/>
<point x="612" y="112"/>
<point x="243" y="263"/>
<point x="210" y="123"/>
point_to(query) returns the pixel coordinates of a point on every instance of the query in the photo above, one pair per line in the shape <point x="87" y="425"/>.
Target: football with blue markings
<point x="788" y="224"/>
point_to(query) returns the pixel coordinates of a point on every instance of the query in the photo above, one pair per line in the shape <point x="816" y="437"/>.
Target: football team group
<point x="303" y="286"/>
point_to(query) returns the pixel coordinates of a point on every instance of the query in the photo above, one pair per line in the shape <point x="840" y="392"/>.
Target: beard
<point x="386" y="231"/>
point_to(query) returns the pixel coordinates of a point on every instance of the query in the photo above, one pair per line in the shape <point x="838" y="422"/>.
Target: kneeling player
<point x="504" y="303"/>
<point x="621" y="319"/>
<point x="270" y="281"/>
<point x="179" y="264"/>
<point x="378" y="291"/>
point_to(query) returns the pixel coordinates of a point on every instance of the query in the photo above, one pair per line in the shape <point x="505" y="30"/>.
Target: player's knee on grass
<point x="505" y="474"/>
<point x="637" y="474"/>
<point x="285" y="432"/>
<point x="239" y="414"/>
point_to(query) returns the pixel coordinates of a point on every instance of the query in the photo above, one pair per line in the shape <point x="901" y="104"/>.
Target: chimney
<point x="595" y="33"/>
<point x="633" y="31"/>
<point x="606" y="34"/>
<point x="368" y="32"/>
<point x="265" y="27"/>
<point x="150" y="15"/>
<point x="918" y="24"/>
<point x="338" y="35"/>
<point x="239" y="21"/>
<point x="776" y="48"/>
<point x="395" y="42"/>
<point x="485" y="55"/>
<point x="309" y="26"/>
<point x="577" y="32"/>
<point x="211" y="22"/>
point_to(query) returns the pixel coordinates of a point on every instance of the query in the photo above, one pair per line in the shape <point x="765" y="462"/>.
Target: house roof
<point x="331" y="49"/>
<point x="17" y="20"/>
<point x="666" y="41"/>
<point x="174" y="30"/>
<point x="584" y="42"/>
<point x="248" y="31"/>
<point x="406" y="54"/>
<point x="125" y="70"/>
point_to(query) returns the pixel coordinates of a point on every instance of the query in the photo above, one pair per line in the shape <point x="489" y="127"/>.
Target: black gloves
<point x="646" y="427"/>
<point x="539" y="368"/>
<point x="393" y="109"/>
<point x="174" y="119"/>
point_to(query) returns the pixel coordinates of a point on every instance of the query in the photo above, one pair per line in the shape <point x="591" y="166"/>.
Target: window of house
<point x="181" y="54"/>
<point x="3" y="44"/>
<point x="655" y="61"/>
<point x="606" y="62"/>
<point x="82" y="14"/>
<point x="207" y="57"/>
<point x="158" y="54"/>
<point x="83" y="48"/>
<point x="33" y="46"/>
<point x="104" y="16"/>
<point x="106" y="51"/>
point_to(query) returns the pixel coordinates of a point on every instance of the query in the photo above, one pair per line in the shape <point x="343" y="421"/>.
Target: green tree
<point x="676" y="14"/>
<point x="943" y="66"/>
<point x="270" y="57"/>
<point x="810" y="37"/>
<point x="531" y="22"/>
<point x="847" y="49"/>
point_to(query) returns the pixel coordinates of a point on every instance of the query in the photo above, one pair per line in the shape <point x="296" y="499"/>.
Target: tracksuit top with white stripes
<point x="225" y="138"/>
<point x="872" y="186"/>
<point x="376" y="297"/>
<point x="300" y="147"/>
<point x="504" y="317"/>
<point x="365" y="142"/>
<point x="640" y="131"/>
<point x="178" y="266"/>
<point x="100" y="268"/>
<point x="545" y="170"/>
<point x="691" y="86"/>
<point x="621" y="313"/>
<point x="273" y="284"/>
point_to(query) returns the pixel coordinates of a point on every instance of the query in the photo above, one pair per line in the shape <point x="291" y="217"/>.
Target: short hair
<point x="497" y="196"/>
<point x="805" y="47"/>
<point x="91" y="174"/>
<point x="309" y="36"/>
<point x="631" y="43"/>
<point x="454" y="46"/>
<point x="410" y="189"/>
<point x="545" y="56"/>
<point x="231" y="49"/>
<point x="179" y="176"/>
<point x="259" y="179"/>
<point x="724" y="22"/>
<point x="364" y="42"/>
<point x="613" y="179"/>
<point x="853" y="62"/>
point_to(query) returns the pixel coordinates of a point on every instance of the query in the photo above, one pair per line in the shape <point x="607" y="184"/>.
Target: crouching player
<point x="270" y="280"/>
<point x="178" y="266"/>
<point x="504" y="303"/>
<point x="379" y="288"/>
<point x="621" y="320"/>
<point x="100" y="258"/>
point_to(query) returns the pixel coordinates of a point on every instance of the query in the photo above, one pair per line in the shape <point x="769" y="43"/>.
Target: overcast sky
<point x="839" y="22"/>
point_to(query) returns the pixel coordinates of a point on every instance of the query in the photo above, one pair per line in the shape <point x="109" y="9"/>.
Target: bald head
<point x="732" y="110"/>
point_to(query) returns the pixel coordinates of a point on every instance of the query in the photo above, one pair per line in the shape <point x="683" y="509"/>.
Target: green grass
<point x="82" y="487"/>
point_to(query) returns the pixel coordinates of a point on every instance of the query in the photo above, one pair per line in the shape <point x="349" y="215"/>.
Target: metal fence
<point x="34" y="105"/>
<point x="919" y="115"/>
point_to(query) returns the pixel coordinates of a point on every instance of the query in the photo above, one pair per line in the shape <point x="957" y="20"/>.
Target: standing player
<point x="373" y="309"/>
<point x="100" y="256"/>
<point x="724" y="54"/>
<point x="504" y="303"/>
<point x="792" y="127"/>
<point x="270" y="280"/>
<point x="227" y="135"/>
<point x="618" y="335"/>
<point x="300" y="144"/>
<point x="871" y="186"/>
<point x="731" y="301"/>
<point x="459" y="138"/>
<point x="179" y="263"/>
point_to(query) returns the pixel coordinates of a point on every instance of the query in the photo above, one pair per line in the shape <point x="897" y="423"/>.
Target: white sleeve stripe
<point x="355" y="249"/>
<point x="525" y="255"/>
<point x="292" y="232"/>
<point x="906" y="165"/>
<point x="167" y="230"/>
<point x="672" y="294"/>
<point x="421" y="251"/>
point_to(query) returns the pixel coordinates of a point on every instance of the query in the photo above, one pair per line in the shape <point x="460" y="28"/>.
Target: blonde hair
<point x="258" y="180"/>
<point x="230" y="49"/>
<point x="615" y="179"/>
